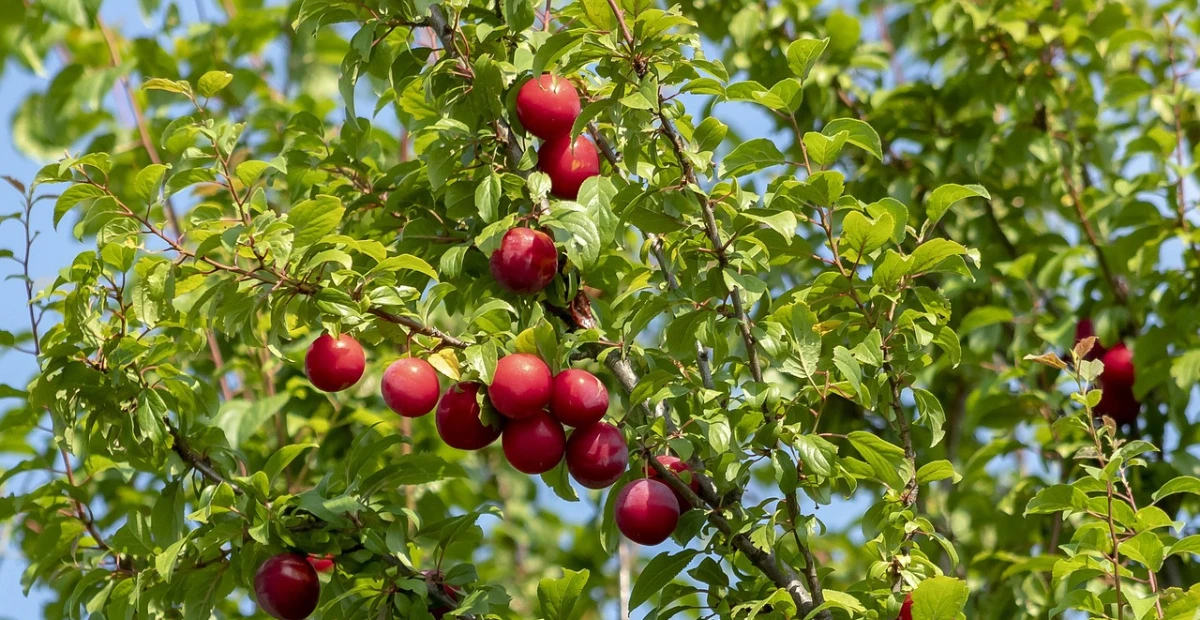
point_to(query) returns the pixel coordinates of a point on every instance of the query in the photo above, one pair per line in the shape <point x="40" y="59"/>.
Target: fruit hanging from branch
<point x="521" y="385"/>
<point x="579" y="398"/>
<point x="459" y="421"/>
<point x="286" y="587"/>
<point x="597" y="455"/>
<point x="548" y="106"/>
<point x="534" y="444"/>
<point x="410" y="387"/>
<point x="526" y="261"/>
<point x="647" y="511"/>
<point x="568" y="164"/>
<point x="333" y="365"/>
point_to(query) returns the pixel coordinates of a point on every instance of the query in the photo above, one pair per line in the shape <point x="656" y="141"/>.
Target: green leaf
<point x="657" y="573"/>
<point x="1057" y="498"/>
<point x="487" y="198"/>
<point x="553" y="48"/>
<point x="213" y="82"/>
<point x="858" y="133"/>
<point x="518" y="14"/>
<point x="560" y="597"/>
<point x="165" y="562"/>
<point x="248" y="171"/>
<point x="145" y="184"/>
<point x="851" y="370"/>
<point x="822" y="149"/>
<point x="482" y="359"/>
<point x="1146" y="548"/>
<point x="932" y="414"/>
<point x="1182" y="484"/>
<point x="937" y="470"/>
<point x="283" y="457"/>
<point x="240" y="419"/>
<point x="816" y="454"/>
<point x="1185" y="369"/>
<point x="984" y="316"/>
<point x="314" y="219"/>
<point x="939" y="598"/>
<point x="802" y="54"/>
<point x="861" y="236"/>
<point x="73" y="196"/>
<point x="886" y="460"/>
<point x="577" y="231"/>
<point x="1189" y="545"/>
<point x="750" y="157"/>
<point x="932" y="253"/>
<point x="170" y="86"/>
<point x="150" y="413"/>
<point x="945" y="196"/>
<point x="404" y="262"/>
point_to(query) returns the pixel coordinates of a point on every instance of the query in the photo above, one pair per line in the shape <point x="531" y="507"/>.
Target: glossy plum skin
<point x="286" y="587"/>
<point x="647" y="512"/>
<point x="1084" y="329"/>
<point x="526" y="261"/>
<point x="548" y="106"/>
<point x="534" y="444"/>
<point x="597" y="455"/>
<point x="674" y="464"/>
<point x="334" y="365"/>
<point x="521" y="385"/>
<point x="458" y="421"/>
<point x="1118" y="367"/>
<point x="410" y="387"/>
<point x="579" y="399"/>
<point x="568" y="164"/>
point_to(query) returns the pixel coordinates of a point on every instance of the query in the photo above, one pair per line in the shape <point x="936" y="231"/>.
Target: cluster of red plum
<point x="533" y="404"/>
<point x="534" y="407"/>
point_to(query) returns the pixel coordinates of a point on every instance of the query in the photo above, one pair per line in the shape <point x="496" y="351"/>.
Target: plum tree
<point x="815" y="267"/>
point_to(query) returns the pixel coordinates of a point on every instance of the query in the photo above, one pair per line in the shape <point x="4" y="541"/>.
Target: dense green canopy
<point x="835" y="259"/>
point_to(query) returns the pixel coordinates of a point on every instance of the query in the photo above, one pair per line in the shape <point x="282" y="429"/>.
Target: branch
<point x="194" y="459"/>
<point x="420" y="328"/>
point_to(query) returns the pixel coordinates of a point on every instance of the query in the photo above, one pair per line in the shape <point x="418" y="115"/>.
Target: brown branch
<point x="194" y="459"/>
<point x="419" y="328"/>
